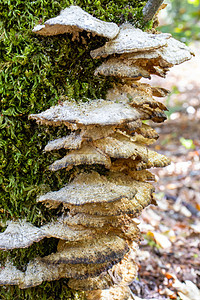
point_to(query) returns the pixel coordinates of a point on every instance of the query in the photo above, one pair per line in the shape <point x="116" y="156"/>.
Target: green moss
<point x="46" y="291"/>
<point x="35" y="72"/>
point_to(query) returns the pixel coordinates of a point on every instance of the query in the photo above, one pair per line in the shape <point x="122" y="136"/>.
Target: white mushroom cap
<point x="22" y="234"/>
<point x="97" y="251"/>
<point x="121" y="68"/>
<point x="87" y="155"/>
<point x="39" y="271"/>
<point x="137" y="95"/>
<point x="117" y="145"/>
<point x="122" y="274"/>
<point x="131" y="39"/>
<point x="121" y="207"/>
<point x="173" y="53"/>
<point x="75" y="139"/>
<point x="94" y="112"/>
<point x="72" y="141"/>
<point x="121" y="146"/>
<point x="74" y="19"/>
<point x="10" y="275"/>
<point x="88" y="189"/>
<point x="154" y="160"/>
<point x="99" y="200"/>
<point x="103" y="281"/>
<point x="91" y="221"/>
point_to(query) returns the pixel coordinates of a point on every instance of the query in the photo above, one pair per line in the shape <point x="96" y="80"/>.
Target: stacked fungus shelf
<point x="96" y="232"/>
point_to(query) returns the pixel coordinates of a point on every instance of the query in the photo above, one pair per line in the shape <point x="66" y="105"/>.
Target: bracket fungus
<point x="131" y="39"/>
<point x="173" y="53"/>
<point x="22" y="234"/>
<point x="78" y="115"/>
<point x="121" y="68"/>
<point x="73" y="20"/>
<point x="140" y="54"/>
<point x="96" y="231"/>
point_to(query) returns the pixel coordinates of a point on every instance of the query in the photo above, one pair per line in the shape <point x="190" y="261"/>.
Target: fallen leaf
<point x="185" y="211"/>
<point x="196" y="227"/>
<point x="168" y="275"/>
<point x="187" y="290"/>
<point x="138" y="298"/>
<point x="198" y="206"/>
<point x="160" y="239"/>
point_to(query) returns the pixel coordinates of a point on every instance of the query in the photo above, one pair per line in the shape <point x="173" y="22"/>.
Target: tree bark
<point x="150" y="9"/>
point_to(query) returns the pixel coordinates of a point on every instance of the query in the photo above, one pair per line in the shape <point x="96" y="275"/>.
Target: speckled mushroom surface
<point x="131" y="39"/>
<point x="91" y="197"/>
<point x="21" y="234"/>
<point x="104" y="143"/>
<point x="74" y="19"/>
<point x="91" y="188"/>
<point x="105" y="249"/>
<point x="121" y="68"/>
<point x="173" y="53"/>
<point x="98" y="112"/>
<point x="39" y="270"/>
<point x="133" y="61"/>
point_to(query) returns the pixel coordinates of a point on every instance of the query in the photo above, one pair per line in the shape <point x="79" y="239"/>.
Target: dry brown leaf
<point x="187" y="290"/>
<point x="160" y="239"/>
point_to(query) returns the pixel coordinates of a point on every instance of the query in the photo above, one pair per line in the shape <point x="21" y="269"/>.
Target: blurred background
<point x="169" y="255"/>
<point x="182" y="18"/>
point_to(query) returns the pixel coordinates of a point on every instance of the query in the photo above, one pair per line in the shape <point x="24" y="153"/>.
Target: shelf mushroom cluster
<point x="135" y="54"/>
<point x="96" y="231"/>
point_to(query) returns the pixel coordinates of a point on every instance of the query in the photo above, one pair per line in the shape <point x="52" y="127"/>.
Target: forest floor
<point x="169" y="255"/>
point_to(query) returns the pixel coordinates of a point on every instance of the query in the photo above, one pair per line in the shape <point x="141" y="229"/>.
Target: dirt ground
<point x="169" y="257"/>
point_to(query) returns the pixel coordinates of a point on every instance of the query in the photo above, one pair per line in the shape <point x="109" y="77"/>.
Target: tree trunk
<point x="36" y="71"/>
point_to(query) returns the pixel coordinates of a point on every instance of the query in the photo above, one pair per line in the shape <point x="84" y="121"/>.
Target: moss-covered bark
<point x="35" y="72"/>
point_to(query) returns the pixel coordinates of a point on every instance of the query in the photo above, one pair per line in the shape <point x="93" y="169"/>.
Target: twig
<point x="131" y="293"/>
<point x="150" y="9"/>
